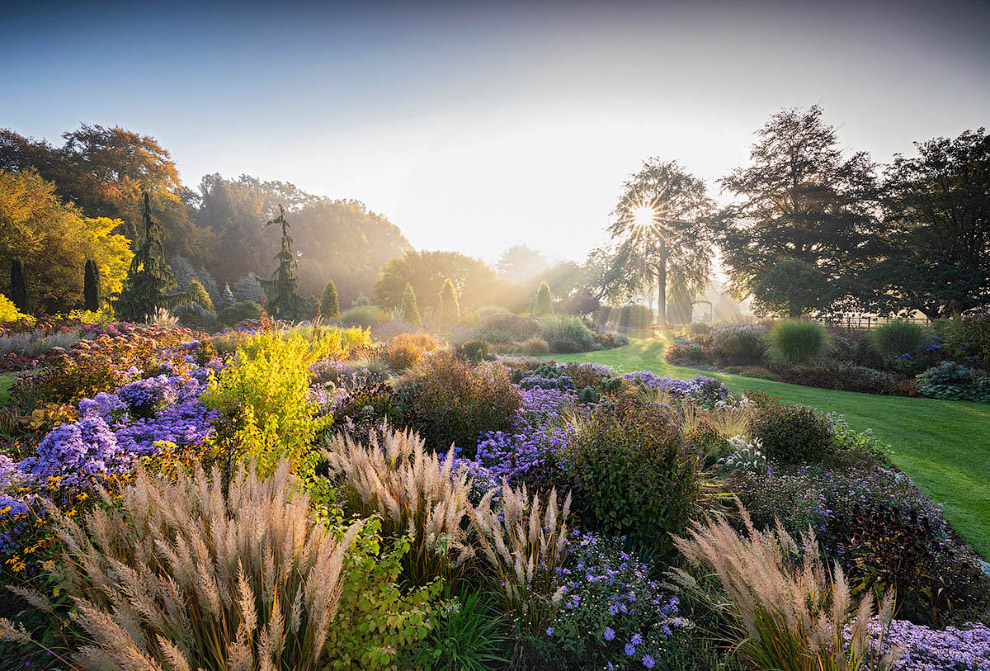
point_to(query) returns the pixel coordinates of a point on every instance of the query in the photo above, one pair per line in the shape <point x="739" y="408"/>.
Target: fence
<point x="860" y="321"/>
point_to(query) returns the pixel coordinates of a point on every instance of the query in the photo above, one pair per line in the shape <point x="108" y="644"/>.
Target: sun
<point x="643" y="216"/>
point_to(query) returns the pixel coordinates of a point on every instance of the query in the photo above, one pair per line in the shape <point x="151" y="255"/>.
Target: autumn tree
<point x="150" y="278"/>
<point x="799" y="198"/>
<point x="660" y="231"/>
<point x="54" y="240"/>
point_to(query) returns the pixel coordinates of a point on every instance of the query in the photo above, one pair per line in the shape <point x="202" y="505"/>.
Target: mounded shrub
<point x="451" y="402"/>
<point x="568" y="332"/>
<point x="194" y="315"/>
<point x="796" y="341"/>
<point x="740" y="343"/>
<point x="840" y="375"/>
<point x="534" y="346"/>
<point x="793" y="433"/>
<point x="475" y="350"/>
<point x="364" y="316"/>
<point x="407" y="350"/>
<point x="950" y="380"/>
<point x="631" y="473"/>
<point x="507" y="328"/>
<point x="239" y="312"/>
<point x="896" y="337"/>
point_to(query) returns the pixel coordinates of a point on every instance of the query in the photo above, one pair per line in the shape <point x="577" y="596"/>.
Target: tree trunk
<point x="662" y="288"/>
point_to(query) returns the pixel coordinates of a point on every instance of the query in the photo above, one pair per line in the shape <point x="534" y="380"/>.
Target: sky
<point x="476" y="126"/>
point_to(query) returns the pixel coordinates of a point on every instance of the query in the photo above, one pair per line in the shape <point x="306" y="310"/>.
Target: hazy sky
<point x="475" y="126"/>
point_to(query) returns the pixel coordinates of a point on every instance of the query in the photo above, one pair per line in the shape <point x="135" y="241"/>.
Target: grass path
<point x="6" y="382"/>
<point x="944" y="446"/>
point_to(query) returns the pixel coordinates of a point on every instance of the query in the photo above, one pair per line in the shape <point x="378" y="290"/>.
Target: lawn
<point x="6" y="382"/>
<point x="943" y="445"/>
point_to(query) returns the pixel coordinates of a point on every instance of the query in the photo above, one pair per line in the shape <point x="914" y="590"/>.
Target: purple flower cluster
<point x="606" y="590"/>
<point x="143" y="397"/>
<point x="77" y="453"/>
<point x="703" y="390"/>
<point x="531" y="451"/>
<point x="965" y="648"/>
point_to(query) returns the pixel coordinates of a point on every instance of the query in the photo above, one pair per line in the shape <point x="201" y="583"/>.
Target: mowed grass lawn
<point x="944" y="446"/>
<point x="6" y="382"/>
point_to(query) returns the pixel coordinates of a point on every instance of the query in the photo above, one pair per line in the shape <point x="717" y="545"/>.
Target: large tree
<point x="936" y="254"/>
<point x="799" y="198"/>
<point x="105" y="171"/>
<point x="54" y="240"/>
<point x="660" y="231"/>
<point x="283" y="301"/>
<point x="520" y="263"/>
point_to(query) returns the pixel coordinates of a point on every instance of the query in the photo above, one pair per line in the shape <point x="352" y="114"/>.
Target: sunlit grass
<point x="944" y="446"/>
<point x="6" y="382"/>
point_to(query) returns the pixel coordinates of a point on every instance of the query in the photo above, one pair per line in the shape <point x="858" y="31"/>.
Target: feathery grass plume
<point x="525" y="543"/>
<point x="179" y="577"/>
<point x="162" y="317"/>
<point x="785" y="610"/>
<point x="414" y="492"/>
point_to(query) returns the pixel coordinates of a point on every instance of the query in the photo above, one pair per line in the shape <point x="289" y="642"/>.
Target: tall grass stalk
<point x="414" y="492"/>
<point x="177" y="576"/>
<point x="525" y="544"/>
<point x="786" y="610"/>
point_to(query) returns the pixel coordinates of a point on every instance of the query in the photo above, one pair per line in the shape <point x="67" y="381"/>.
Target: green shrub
<point x="631" y="474"/>
<point x="505" y="328"/>
<point x="740" y="343"/>
<point x="475" y="350"/>
<point x="239" y="312"/>
<point x="566" y="329"/>
<point x="194" y="315"/>
<point x="896" y="337"/>
<point x="364" y="316"/>
<point x="796" y="341"/>
<point x="487" y="311"/>
<point x="793" y="433"/>
<point x="949" y="380"/>
<point x="379" y="625"/>
<point x="543" y="303"/>
<point x="451" y="402"/>
<point x="840" y="375"/>
<point x="635" y="317"/>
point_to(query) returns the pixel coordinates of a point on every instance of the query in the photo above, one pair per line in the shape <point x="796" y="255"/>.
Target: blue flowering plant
<point x="611" y="613"/>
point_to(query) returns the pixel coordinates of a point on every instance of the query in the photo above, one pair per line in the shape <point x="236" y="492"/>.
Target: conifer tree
<point x="410" y="308"/>
<point x="543" y="305"/>
<point x="18" y="286"/>
<point x="449" y="311"/>
<point x="196" y="293"/>
<point x="150" y="277"/>
<point x="330" y="303"/>
<point x="91" y="286"/>
<point x="283" y="301"/>
<point x="227" y="298"/>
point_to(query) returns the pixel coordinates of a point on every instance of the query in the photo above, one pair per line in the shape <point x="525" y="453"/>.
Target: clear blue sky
<point x="474" y="126"/>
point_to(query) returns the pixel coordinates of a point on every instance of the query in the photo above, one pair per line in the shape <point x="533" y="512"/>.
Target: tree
<point x="104" y="171"/>
<point x="19" y="293"/>
<point x="248" y="288"/>
<point x="91" y="286"/>
<point x="476" y="284"/>
<point x="410" y="308"/>
<point x="519" y="263"/>
<point x="227" y="298"/>
<point x="182" y="270"/>
<point x="449" y="311"/>
<point x="791" y="287"/>
<point x="543" y="303"/>
<point x="54" y="241"/>
<point x="149" y="278"/>
<point x="936" y="237"/>
<point x="661" y="231"/>
<point x="283" y="301"/>
<point x="329" y="304"/>
<point x="195" y="293"/>
<point x="798" y="199"/>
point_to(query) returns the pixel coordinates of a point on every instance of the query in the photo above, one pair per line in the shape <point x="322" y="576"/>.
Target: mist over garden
<point x="247" y="427"/>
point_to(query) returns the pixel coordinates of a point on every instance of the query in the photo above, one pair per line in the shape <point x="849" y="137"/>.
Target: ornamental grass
<point x="178" y="576"/>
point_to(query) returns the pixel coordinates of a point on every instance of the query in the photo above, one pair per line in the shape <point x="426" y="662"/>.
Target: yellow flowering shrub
<point x="263" y="396"/>
<point x="10" y="313"/>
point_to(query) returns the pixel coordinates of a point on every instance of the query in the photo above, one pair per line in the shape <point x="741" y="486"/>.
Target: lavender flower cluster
<point x="531" y="451"/>
<point x="612" y="613"/>
<point x="965" y="648"/>
<point x="706" y="391"/>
